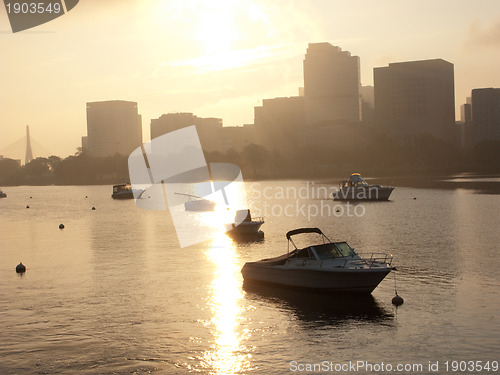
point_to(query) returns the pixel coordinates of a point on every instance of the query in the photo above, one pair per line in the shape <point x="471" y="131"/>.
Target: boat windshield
<point x="327" y="250"/>
<point x="344" y="249"/>
<point x="357" y="180"/>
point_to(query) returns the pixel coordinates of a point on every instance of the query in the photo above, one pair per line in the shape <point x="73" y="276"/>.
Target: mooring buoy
<point x="93" y="208"/>
<point x="20" y="268"/>
<point x="27" y="206"/>
<point x="61" y="226"/>
<point x="397" y="300"/>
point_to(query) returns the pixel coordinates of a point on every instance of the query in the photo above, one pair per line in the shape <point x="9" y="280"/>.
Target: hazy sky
<point x="218" y="58"/>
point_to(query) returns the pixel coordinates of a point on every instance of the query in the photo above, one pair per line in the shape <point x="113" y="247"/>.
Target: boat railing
<point x="365" y="259"/>
<point x="376" y="258"/>
<point x="257" y="218"/>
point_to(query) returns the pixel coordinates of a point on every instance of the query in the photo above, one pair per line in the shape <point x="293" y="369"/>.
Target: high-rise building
<point x="113" y="127"/>
<point x="464" y="137"/>
<point x="415" y="98"/>
<point x="331" y="85"/>
<point x="466" y="111"/>
<point x="279" y="122"/>
<point x="486" y="114"/>
<point x="209" y="129"/>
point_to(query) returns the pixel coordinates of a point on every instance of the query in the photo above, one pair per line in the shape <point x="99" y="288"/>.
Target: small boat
<point x="2" y="194"/>
<point x="356" y="188"/>
<point x="199" y="204"/>
<point x="245" y="226"/>
<point x="328" y="266"/>
<point x="122" y="191"/>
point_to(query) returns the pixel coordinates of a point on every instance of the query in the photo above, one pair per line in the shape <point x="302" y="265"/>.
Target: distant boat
<point x="356" y="188"/>
<point x="199" y="204"/>
<point x="328" y="266"/>
<point x="244" y="225"/>
<point x="122" y="191"/>
<point x="2" y="194"/>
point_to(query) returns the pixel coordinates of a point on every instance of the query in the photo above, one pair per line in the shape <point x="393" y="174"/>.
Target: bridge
<point x="25" y="149"/>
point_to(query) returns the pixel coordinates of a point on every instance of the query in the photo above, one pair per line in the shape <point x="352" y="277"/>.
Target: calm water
<point x="114" y="293"/>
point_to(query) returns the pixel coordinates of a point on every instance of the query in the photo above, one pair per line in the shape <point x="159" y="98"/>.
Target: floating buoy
<point x="61" y="226"/>
<point x="86" y="197"/>
<point x="20" y="268"/>
<point x="414" y="198"/>
<point x="31" y="197"/>
<point x="27" y="206"/>
<point x="93" y="208"/>
<point x="337" y="210"/>
<point x="397" y="300"/>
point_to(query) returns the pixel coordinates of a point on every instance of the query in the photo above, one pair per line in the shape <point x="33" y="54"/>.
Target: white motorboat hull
<point x="370" y="193"/>
<point x="341" y="280"/>
<point x="199" y="205"/>
<point x="246" y="227"/>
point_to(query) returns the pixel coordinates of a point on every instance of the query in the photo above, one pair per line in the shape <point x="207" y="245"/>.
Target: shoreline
<point x="480" y="183"/>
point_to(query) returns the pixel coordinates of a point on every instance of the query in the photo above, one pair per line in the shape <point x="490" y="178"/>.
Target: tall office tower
<point x="331" y="85"/>
<point x="415" y="98"/>
<point x="486" y="114"/>
<point x="113" y="127"/>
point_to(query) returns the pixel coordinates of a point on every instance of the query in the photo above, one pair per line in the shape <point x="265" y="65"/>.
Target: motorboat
<point x="327" y="266"/>
<point x="245" y="226"/>
<point x="356" y="188"/>
<point x="122" y="191"/>
<point x="2" y="194"/>
<point x="198" y="203"/>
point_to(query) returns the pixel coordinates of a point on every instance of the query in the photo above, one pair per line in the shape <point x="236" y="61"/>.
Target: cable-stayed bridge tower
<point x="29" y="152"/>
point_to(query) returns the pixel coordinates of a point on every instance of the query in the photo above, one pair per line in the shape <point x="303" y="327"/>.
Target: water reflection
<point x="227" y="354"/>
<point x="320" y="308"/>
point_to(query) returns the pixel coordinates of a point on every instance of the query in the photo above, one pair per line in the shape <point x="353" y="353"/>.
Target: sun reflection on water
<point x="227" y="354"/>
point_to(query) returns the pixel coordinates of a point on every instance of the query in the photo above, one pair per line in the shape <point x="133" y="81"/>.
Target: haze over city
<point x="218" y="59"/>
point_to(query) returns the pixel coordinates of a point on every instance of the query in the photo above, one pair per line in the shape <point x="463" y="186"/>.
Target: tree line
<point x="425" y="156"/>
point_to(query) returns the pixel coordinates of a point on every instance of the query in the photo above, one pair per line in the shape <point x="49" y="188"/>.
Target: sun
<point x="211" y="24"/>
<point x="216" y="32"/>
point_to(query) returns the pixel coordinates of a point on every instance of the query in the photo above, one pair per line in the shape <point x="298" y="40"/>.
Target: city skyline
<point x="219" y="60"/>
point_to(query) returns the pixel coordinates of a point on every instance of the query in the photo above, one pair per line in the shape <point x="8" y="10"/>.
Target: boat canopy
<point x="325" y="251"/>
<point x="303" y="230"/>
<point x="242" y="215"/>
<point x="357" y="179"/>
